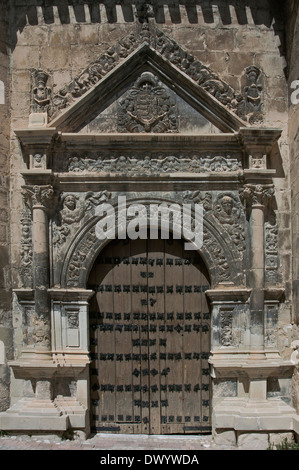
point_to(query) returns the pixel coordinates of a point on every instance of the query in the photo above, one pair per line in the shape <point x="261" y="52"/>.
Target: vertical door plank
<point x="139" y="311"/>
<point x="123" y="334"/>
<point x="192" y="346"/>
<point x="106" y="340"/>
<point x="174" y="307"/>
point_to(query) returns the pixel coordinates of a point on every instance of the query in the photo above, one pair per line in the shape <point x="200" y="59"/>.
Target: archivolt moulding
<point x="221" y="258"/>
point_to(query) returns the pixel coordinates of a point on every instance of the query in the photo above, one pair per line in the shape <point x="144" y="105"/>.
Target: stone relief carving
<point x="226" y="209"/>
<point x="72" y="319"/>
<point x="257" y="194"/>
<point x="211" y="246"/>
<point x="210" y="242"/>
<point x="82" y="251"/>
<point x="198" y="197"/>
<point x="38" y="195"/>
<point x="253" y="95"/>
<point x="26" y="250"/>
<point x="73" y="209"/>
<point x="37" y="332"/>
<point x="41" y="93"/>
<point x="228" y="212"/>
<point x="271" y="253"/>
<point x="226" y="326"/>
<point x="78" y="258"/>
<point x="134" y="164"/>
<point x="147" y="107"/>
<point x="258" y="160"/>
<point x="165" y="46"/>
<point x="217" y="254"/>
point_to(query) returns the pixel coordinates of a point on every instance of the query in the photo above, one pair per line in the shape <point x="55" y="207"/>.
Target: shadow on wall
<point x="268" y="13"/>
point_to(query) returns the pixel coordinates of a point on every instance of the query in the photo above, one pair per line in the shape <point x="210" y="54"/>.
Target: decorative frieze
<point x="149" y="164"/>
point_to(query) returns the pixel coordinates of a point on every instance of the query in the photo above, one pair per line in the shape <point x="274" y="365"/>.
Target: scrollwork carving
<point x="171" y="51"/>
<point x="271" y="253"/>
<point x="26" y="251"/>
<point x="217" y="254"/>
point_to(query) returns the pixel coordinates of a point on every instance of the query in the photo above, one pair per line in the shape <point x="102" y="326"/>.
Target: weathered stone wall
<point x="293" y="75"/>
<point x="5" y="293"/>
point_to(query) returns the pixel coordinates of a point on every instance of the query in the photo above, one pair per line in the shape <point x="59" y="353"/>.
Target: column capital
<point x="257" y="194"/>
<point x="37" y="196"/>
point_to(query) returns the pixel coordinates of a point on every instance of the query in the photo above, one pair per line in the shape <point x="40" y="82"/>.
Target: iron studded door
<point x="150" y="339"/>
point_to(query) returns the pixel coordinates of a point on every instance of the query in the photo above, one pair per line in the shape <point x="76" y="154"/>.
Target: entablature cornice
<point x="238" y="154"/>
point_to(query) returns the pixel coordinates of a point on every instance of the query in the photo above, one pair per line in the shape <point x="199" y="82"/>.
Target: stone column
<point x="39" y="198"/>
<point x="256" y="197"/>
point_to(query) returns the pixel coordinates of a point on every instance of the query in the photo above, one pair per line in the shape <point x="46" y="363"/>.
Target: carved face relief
<point x="226" y="210"/>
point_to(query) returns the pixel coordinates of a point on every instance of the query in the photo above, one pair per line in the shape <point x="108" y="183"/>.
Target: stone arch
<point x="218" y="255"/>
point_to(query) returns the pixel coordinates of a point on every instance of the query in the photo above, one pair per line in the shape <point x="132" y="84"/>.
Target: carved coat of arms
<point x="147" y="107"/>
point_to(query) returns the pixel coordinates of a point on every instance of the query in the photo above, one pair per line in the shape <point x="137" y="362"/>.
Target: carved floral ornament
<point x="248" y="101"/>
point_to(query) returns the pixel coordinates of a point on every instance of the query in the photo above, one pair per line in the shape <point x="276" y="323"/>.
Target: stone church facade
<point x="149" y="104"/>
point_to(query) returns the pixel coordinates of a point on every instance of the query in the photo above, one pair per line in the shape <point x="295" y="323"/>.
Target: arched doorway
<point x="150" y="339"/>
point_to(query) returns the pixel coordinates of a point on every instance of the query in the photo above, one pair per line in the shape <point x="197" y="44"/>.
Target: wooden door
<point x="150" y="339"/>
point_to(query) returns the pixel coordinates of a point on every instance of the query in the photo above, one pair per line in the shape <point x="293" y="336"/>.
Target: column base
<point x="241" y="414"/>
<point x="32" y="414"/>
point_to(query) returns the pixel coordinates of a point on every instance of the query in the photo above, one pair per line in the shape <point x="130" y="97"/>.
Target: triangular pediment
<point x="203" y="102"/>
<point x="148" y="105"/>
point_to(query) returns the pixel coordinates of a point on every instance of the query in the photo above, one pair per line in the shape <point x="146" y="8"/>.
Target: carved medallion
<point x="147" y="107"/>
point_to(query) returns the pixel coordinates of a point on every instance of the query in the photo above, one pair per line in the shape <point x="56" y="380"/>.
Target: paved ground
<point x="111" y="443"/>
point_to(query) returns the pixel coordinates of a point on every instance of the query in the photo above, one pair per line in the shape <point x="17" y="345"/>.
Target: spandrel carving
<point x="228" y="211"/>
<point x="73" y="209"/>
